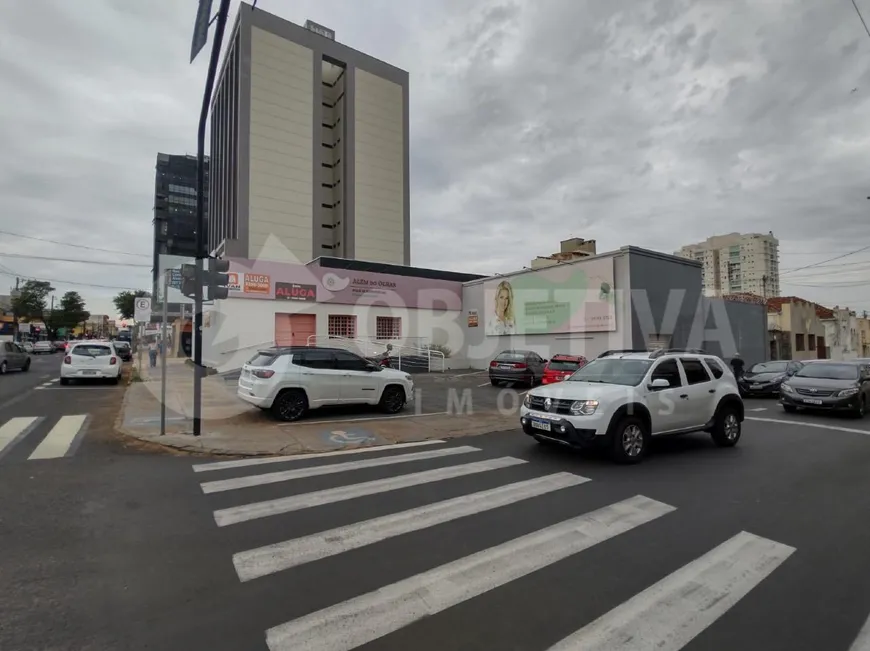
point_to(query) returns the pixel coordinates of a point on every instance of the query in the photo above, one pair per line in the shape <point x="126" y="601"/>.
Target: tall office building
<point x="737" y="263"/>
<point x="309" y="148"/>
<point x="175" y="208"/>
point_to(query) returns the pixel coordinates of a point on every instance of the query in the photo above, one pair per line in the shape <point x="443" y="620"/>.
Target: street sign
<point x="200" y="28"/>
<point x="142" y="311"/>
<point x="175" y="278"/>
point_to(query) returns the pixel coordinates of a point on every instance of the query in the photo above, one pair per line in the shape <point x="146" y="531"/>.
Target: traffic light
<point x="217" y="279"/>
<point x="188" y="280"/>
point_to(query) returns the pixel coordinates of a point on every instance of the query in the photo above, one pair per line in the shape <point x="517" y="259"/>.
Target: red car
<point x="561" y="367"/>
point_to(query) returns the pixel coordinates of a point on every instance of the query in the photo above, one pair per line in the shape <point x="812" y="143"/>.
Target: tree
<point x="30" y="302"/>
<point x="71" y="312"/>
<point x="125" y="302"/>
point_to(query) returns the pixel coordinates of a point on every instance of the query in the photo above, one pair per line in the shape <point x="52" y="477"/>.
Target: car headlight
<point x="787" y="388"/>
<point x="845" y="393"/>
<point x="527" y="401"/>
<point x="778" y="380"/>
<point x="583" y="407"/>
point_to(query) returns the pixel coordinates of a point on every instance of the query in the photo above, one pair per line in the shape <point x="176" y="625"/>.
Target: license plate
<point x="507" y="367"/>
<point x="812" y="402"/>
<point x="541" y="425"/>
<point x="755" y="386"/>
<point x="89" y="372"/>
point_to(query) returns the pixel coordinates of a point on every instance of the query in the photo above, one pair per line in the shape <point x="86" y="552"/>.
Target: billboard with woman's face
<point x="564" y="298"/>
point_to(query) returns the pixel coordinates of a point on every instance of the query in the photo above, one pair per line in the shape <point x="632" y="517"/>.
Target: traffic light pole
<point x="201" y="245"/>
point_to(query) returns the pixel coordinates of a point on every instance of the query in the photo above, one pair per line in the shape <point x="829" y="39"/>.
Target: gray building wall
<point x="746" y="323"/>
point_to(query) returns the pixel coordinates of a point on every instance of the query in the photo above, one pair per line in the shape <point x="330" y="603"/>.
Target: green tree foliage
<point x="30" y="303"/>
<point x="70" y="313"/>
<point x="125" y="302"/>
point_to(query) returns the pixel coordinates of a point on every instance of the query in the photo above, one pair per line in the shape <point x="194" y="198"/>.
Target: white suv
<point x="623" y="398"/>
<point x="290" y="381"/>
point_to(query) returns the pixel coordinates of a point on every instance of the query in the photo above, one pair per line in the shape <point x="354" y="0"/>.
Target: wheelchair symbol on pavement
<point x="340" y="437"/>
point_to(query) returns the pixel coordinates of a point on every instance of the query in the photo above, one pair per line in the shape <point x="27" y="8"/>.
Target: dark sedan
<point x="831" y="386"/>
<point x="521" y="366"/>
<point x="763" y="380"/>
<point x="123" y="349"/>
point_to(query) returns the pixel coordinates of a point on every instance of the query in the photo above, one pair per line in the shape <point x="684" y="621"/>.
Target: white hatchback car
<point x="290" y="381"/>
<point x="624" y="398"/>
<point x="90" y="360"/>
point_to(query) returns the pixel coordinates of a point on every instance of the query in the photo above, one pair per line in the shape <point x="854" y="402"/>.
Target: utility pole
<point x="201" y="244"/>
<point x="764" y="286"/>
<point x="16" y="335"/>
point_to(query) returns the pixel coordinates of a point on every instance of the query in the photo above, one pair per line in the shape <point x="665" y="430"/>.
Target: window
<point x="342" y="325"/>
<point x="799" y="342"/>
<point x="715" y="367"/>
<point x="91" y="350"/>
<point x="811" y="342"/>
<point x="8" y="347"/>
<point x="346" y="361"/>
<point x="388" y="327"/>
<point x="695" y="371"/>
<point x="315" y="358"/>
<point x="667" y="370"/>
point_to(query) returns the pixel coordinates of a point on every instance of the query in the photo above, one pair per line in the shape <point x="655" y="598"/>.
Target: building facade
<point x="570" y="250"/>
<point x="175" y="208"/>
<point x="796" y="331"/>
<point x="737" y="263"/>
<point x="309" y="148"/>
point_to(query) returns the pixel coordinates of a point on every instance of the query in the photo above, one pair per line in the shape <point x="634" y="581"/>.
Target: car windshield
<point x="608" y="370"/>
<point x="563" y="365"/>
<point x="769" y="367"/>
<point x="261" y="359"/>
<point x="91" y="350"/>
<point x="829" y="371"/>
<point x="510" y="357"/>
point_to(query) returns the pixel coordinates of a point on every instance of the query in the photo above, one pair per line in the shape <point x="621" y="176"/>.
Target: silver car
<point x="13" y="358"/>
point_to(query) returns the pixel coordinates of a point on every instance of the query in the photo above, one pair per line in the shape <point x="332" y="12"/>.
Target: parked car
<point x="27" y="346"/>
<point x="87" y="360"/>
<point x="520" y="366"/>
<point x="291" y="381"/>
<point x="560" y="367"/>
<point x="831" y="386"/>
<point x="763" y="379"/>
<point x="60" y="345"/>
<point x="623" y="400"/>
<point x="43" y="348"/>
<point x="125" y="352"/>
<point x="13" y="358"/>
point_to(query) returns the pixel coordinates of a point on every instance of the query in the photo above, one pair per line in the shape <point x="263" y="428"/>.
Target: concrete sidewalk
<point x="232" y="427"/>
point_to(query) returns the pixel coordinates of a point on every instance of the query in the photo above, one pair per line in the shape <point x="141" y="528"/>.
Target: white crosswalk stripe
<point x="666" y="616"/>
<point x="61" y="440"/>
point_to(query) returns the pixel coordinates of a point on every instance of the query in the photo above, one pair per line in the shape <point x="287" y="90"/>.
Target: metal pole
<point x="163" y="353"/>
<point x="138" y="345"/>
<point x="201" y="250"/>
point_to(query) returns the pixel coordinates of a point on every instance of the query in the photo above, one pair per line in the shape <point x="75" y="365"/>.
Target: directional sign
<point x="175" y="278"/>
<point x="142" y="311"/>
<point x="200" y="28"/>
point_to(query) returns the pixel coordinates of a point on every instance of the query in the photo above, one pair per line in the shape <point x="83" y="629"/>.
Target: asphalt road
<point x="759" y="548"/>
<point x="16" y="384"/>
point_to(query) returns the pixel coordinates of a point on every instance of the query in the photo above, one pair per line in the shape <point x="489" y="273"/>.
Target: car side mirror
<point x="659" y="383"/>
<point x="544" y="361"/>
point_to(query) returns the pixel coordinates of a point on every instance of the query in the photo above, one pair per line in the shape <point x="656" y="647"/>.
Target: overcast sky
<point x="652" y="123"/>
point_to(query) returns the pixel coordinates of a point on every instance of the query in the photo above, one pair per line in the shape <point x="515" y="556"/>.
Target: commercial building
<point x="737" y="263"/>
<point x="309" y="147"/>
<point x="630" y="298"/>
<point x="796" y="330"/>
<point x="570" y="250"/>
<point x="174" y="209"/>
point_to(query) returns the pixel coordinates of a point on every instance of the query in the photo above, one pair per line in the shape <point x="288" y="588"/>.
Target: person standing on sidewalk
<point x="152" y="353"/>
<point x="737" y="365"/>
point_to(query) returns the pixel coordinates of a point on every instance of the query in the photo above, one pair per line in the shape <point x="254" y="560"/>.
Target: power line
<point x="9" y="272"/>
<point x="839" y="265"/>
<point x="54" y="259"/>
<point x="858" y="11"/>
<point x="76" y="246"/>
<point x="818" y="264"/>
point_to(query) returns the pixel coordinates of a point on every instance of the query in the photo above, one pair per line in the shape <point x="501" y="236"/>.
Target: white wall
<point x="379" y="232"/>
<point x="282" y="105"/>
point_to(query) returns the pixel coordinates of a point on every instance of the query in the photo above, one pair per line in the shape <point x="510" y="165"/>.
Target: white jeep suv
<point x="291" y="380"/>
<point x="623" y="398"/>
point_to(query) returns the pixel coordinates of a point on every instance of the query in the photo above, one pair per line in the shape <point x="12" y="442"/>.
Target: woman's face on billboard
<point x="502" y="301"/>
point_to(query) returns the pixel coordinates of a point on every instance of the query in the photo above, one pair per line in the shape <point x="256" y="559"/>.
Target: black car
<point x="123" y="349"/>
<point x="521" y="366"/>
<point x="832" y="386"/>
<point x="763" y="379"/>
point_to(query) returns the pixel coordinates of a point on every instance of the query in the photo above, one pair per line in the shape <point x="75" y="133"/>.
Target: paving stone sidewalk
<point x="231" y="427"/>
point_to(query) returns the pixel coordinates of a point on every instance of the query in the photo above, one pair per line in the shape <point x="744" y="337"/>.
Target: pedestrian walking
<point x="152" y="353"/>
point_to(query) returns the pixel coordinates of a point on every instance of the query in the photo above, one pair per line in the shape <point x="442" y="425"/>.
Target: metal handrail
<point x="380" y="346"/>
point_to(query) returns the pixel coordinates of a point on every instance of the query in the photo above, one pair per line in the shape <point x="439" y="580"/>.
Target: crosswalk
<point x="665" y="616"/>
<point x="42" y="437"/>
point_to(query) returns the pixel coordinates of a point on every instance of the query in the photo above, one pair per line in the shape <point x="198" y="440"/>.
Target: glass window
<point x="346" y="361"/>
<point x="511" y="356"/>
<point x="668" y="370"/>
<point x="823" y="371"/>
<point x="769" y="367"/>
<point x="342" y="325"/>
<point x="91" y="350"/>
<point x="695" y="371"/>
<point x="315" y="358"/>
<point x="563" y="365"/>
<point x="7" y="347"/>
<point x="715" y="367"/>
<point x="262" y="359"/>
<point x="608" y="370"/>
<point x="388" y="327"/>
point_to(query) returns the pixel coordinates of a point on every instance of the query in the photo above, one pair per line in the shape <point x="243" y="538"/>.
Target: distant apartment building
<point x="737" y="263"/>
<point x="570" y="250"/>
<point x="175" y="208"/>
<point x="309" y="148"/>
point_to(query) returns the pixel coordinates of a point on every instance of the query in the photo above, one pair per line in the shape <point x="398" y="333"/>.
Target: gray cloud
<point x="654" y="123"/>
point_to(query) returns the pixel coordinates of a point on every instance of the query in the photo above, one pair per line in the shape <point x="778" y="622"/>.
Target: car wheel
<point x="290" y="405"/>
<point x="726" y="432"/>
<point x="64" y="381"/>
<point x="789" y="409"/>
<point x="861" y="410"/>
<point x="3" y="368"/>
<point x="114" y="380"/>
<point x="631" y="440"/>
<point x="393" y="400"/>
<point x="26" y="366"/>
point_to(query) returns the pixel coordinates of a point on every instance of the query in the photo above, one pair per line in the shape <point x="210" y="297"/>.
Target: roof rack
<point x="621" y="351"/>
<point x="671" y="351"/>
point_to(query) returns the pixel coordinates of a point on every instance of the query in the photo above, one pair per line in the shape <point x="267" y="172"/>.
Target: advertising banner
<point x="295" y="292"/>
<point x="566" y="298"/>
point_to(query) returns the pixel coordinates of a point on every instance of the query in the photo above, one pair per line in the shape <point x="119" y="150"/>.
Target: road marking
<point x="331" y="469"/>
<point x="236" y="514"/>
<point x="270" y="559"/>
<point x="862" y="642"/>
<point x="467" y="374"/>
<point x="60" y="440"/>
<point x="758" y="409"/>
<point x="14" y="430"/>
<point x="485" y="384"/>
<point x="671" y="613"/>
<point x="240" y="463"/>
<point x="369" y="418"/>
<point x="340" y="627"/>
<point x="803" y="423"/>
